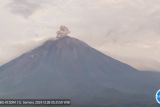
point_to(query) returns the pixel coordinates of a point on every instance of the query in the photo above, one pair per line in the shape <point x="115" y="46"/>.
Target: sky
<point x="127" y="30"/>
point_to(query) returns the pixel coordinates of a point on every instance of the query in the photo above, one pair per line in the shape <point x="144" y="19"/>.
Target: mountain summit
<point x="69" y="68"/>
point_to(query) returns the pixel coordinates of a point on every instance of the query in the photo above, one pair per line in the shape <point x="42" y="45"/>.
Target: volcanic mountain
<point x="67" y="68"/>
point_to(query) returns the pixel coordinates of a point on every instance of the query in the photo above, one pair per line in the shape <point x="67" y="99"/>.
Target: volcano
<point x="67" y="68"/>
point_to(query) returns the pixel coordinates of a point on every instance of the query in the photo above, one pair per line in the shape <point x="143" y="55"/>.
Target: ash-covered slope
<point x="69" y="68"/>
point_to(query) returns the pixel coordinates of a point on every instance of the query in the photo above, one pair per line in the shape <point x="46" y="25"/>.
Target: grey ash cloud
<point x="26" y="8"/>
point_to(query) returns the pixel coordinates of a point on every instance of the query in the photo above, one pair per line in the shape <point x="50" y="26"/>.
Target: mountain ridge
<point x="69" y="68"/>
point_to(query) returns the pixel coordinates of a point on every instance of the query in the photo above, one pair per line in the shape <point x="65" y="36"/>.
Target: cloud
<point x="26" y="8"/>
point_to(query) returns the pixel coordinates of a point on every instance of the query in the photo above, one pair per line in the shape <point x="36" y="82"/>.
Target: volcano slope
<point x="68" y="68"/>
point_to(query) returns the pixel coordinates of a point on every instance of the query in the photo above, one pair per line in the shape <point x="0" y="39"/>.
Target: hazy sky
<point x="122" y="28"/>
